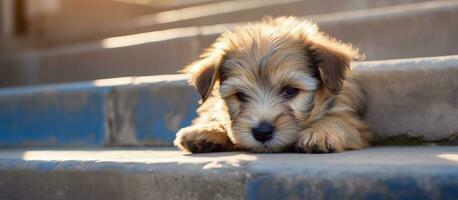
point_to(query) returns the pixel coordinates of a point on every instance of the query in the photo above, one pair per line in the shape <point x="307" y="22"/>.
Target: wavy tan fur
<point x="260" y="60"/>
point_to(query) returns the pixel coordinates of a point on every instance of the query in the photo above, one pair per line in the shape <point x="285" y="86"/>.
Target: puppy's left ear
<point x="205" y="73"/>
<point x="333" y="60"/>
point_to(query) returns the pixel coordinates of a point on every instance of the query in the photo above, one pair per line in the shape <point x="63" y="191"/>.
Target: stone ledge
<point x="388" y="172"/>
<point x="417" y="97"/>
<point x="412" y="98"/>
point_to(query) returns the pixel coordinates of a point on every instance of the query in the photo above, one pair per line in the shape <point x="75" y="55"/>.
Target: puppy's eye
<point x="289" y="92"/>
<point x="241" y="96"/>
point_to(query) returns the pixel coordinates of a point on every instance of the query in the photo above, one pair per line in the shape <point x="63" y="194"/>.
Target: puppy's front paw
<point x="202" y="139"/>
<point x="315" y="141"/>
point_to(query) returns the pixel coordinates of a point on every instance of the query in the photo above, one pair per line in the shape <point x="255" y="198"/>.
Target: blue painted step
<point x="104" y="112"/>
<point x="410" y="97"/>
<point x="67" y="114"/>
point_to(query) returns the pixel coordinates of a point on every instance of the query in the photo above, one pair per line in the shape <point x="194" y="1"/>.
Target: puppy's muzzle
<point x="263" y="131"/>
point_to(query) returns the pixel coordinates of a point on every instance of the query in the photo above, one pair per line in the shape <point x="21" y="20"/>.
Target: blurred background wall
<point x="55" y="41"/>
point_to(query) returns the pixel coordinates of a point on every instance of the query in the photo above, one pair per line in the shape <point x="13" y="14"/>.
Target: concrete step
<point x="209" y="13"/>
<point x="120" y="111"/>
<point x="61" y="22"/>
<point x="251" y="10"/>
<point x="374" y="173"/>
<point x="411" y="30"/>
<point x="410" y="101"/>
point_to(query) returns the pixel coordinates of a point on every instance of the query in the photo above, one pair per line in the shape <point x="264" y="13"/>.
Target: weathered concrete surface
<point x="412" y="30"/>
<point x="412" y="97"/>
<point x="66" y="114"/>
<point x="381" y="173"/>
<point x="152" y="109"/>
<point x="418" y="97"/>
<point x="100" y="60"/>
<point x="122" y="111"/>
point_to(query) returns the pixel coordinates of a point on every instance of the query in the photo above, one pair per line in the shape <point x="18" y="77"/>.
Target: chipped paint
<point x="150" y="111"/>
<point x="53" y="116"/>
<point x="147" y="111"/>
<point x="121" y="111"/>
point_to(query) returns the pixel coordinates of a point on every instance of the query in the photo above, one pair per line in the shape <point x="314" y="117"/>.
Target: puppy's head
<point x="269" y="74"/>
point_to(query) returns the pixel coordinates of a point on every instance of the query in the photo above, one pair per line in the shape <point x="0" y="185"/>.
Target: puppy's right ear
<point x="205" y="73"/>
<point x="332" y="58"/>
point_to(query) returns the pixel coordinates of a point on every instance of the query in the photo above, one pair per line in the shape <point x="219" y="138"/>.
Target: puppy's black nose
<point x="263" y="131"/>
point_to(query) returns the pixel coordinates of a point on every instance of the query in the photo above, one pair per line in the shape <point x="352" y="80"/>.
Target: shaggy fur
<point x="283" y="72"/>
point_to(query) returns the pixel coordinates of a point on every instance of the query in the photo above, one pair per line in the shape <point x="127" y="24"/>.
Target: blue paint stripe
<point x="440" y="183"/>
<point x="61" y="115"/>
<point x="160" y="114"/>
<point x="77" y="114"/>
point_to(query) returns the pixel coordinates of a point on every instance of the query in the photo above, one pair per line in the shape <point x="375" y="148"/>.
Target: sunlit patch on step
<point x="450" y="157"/>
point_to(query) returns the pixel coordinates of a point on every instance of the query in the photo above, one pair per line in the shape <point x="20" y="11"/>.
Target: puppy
<point x="275" y="86"/>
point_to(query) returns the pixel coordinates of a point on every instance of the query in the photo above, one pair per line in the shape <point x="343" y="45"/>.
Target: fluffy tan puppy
<point x="274" y="86"/>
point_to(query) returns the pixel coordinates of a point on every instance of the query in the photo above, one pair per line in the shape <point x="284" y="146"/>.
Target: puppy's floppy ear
<point x="332" y="58"/>
<point x="205" y="72"/>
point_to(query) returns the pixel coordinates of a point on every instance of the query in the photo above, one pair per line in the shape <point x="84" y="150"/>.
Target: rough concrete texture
<point x="403" y="31"/>
<point x="121" y="111"/>
<point x="66" y="114"/>
<point x="411" y="30"/>
<point x="374" y="173"/>
<point x="408" y="97"/>
<point x="418" y="97"/>
<point x="151" y="113"/>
